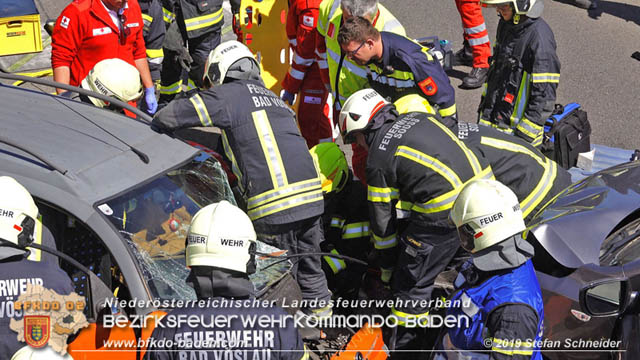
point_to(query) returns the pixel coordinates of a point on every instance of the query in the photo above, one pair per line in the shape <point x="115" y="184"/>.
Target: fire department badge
<point x="36" y="330"/>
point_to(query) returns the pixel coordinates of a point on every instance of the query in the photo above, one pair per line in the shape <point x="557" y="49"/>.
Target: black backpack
<point x="566" y="134"/>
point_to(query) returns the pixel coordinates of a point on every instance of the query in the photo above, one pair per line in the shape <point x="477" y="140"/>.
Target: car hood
<point x="573" y="226"/>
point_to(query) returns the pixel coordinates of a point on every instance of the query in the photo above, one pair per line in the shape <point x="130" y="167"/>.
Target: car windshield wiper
<point x="111" y="100"/>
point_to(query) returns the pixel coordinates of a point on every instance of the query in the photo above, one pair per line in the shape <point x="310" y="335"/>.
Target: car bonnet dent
<point x="573" y="227"/>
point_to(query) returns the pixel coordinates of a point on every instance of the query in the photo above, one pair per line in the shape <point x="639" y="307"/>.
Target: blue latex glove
<point x="150" y="99"/>
<point x="288" y="97"/>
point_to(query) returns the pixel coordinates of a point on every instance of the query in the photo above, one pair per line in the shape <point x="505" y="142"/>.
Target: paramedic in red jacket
<point x="303" y="77"/>
<point x="88" y="31"/>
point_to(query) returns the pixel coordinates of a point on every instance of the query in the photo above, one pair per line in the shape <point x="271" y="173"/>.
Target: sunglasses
<point x="124" y="30"/>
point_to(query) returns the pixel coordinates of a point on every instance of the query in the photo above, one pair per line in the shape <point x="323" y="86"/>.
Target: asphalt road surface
<point x="594" y="47"/>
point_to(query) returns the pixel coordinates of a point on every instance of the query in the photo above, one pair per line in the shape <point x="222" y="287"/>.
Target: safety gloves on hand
<point x="150" y="99"/>
<point x="288" y="97"/>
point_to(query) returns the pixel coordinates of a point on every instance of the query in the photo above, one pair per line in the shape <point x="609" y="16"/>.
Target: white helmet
<point x="113" y="77"/>
<point x="486" y="212"/>
<point x="45" y="353"/>
<point x="358" y="111"/>
<point x="223" y="57"/>
<point x="520" y="7"/>
<point x="220" y="236"/>
<point x="18" y="212"/>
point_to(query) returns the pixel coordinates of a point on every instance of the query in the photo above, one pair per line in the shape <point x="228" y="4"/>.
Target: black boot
<point x="475" y="79"/>
<point x="463" y="56"/>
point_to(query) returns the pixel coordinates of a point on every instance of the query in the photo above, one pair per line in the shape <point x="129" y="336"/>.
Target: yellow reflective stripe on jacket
<point x="398" y="79"/>
<point x="201" y="110"/>
<point x="448" y="111"/>
<point x="168" y="16"/>
<point x="379" y="194"/>
<point x="413" y="103"/>
<point x="529" y="128"/>
<point x="430" y="162"/>
<point x="335" y="264"/>
<point x="174" y="88"/>
<point x="512" y="347"/>
<point x="355" y="230"/>
<point x="471" y="157"/>
<point x="234" y="164"/>
<point x="337" y="222"/>
<point x="155" y="53"/>
<point x="284" y="204"/>
<point x="384" y="242"/>
<point x="283" y="191"/>
<point x="36" y="254"/>
<point x="521" y="100"/>
<point x="404" y="317"/>
<point x="270" y="148"/>
<point x="545" y="77"/>
<point x="495" y="126"/>
<point x="147" y="19"/>
<point x="445" y="201"/>
<point x="305" y="356"/>
<point x="545" y="184"/>
<point x="200" y="22"/>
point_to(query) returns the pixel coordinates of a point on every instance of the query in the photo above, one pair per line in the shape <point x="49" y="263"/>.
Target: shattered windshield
<point x="154" y="219"/>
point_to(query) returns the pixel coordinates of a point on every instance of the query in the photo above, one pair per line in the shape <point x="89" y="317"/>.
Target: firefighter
<point x="88" y="31"/>
<point x="497" y="289"/>
<point x="345" y="220"/>
<point x="197" y="25"/>
<point x="398" y="66"/>
<point x="533" y="177"/>
<point x="339" y="74"/>
<point x="153" y="34"/>
<point x="275" y="171"/>
<point x="220" y="250"/>
<point x="520" y="92"/>
<point x="425" y="177"/>
<point x="18" y="222"/>
<point x="303" y="77"/>
<point x="476" y="47"/>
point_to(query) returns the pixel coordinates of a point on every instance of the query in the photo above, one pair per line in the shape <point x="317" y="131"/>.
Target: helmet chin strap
<point x="209" y="282"/>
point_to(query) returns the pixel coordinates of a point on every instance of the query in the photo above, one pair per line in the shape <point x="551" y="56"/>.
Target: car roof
<point x="94" y="164"/>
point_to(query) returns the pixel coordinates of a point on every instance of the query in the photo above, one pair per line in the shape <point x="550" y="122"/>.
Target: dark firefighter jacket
<point x="424" y="175"/>
<point x="234" y="331"/>
<point x="346" y="224"/>
<point x="200" y="16"/>
<point x="534" y="178"/>
<point x="275" y="171"/>
<point x="407" y="67"/>
<point x="153" y="33"/>
<point x="520" y="92"/>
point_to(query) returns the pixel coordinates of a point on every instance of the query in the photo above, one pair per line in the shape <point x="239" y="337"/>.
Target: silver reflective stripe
<point x="476" y="29"/>
<point x="391" y="81"/>
<point x="155" y="60"/>
<point x="479" y="41"/>
<point x="334" y="7"/>
<point x="391" y="24"/>
<point x="546" y="78"/>
<point x="449" y="174"/>
<point x="355" y="69"/>
<point x="294" y="201"/>
<point x="468" y="307"/>
<point x="293" y="42"/>
<point x="322" y="55"/>
<point x="270" y="146"/>
<point x="360" y="229"/>
<point x="337" y="222"/>
<point x="322" y="64"/>
<point x="429" y="206"/>
<point x="381" y="244"/>
<point x="542" y="188"/>
<point x="529" y="128"/>
<point x="302" y="61"/>
<point x="203" y="21"/>
<point x="296" y="187"/>
<point x="234" y="164"/>
<point x="296" y="74"/>
<point x="201" y="109"/>
<point x="384" y="195"/>
<point x="523" y="96"/>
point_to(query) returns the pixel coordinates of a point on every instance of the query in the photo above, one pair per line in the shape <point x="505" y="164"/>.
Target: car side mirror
<point x="608" y="297"/>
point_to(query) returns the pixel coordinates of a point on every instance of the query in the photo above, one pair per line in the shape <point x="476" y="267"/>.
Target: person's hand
<point x="288" y="97"/>
<point x="150" y="99"/>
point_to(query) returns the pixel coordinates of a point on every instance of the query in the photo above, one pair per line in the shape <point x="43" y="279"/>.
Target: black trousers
<point x="298" y="237"/>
